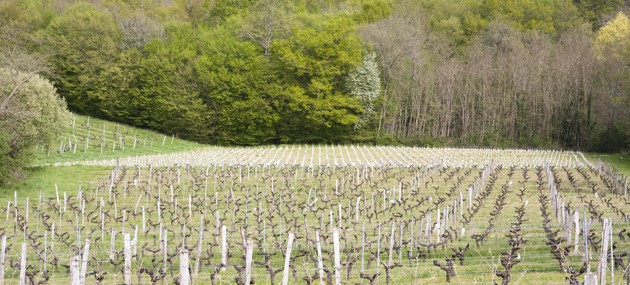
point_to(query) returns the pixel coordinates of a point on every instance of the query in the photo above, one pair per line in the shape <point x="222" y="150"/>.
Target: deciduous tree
<point x="33" y="116"/>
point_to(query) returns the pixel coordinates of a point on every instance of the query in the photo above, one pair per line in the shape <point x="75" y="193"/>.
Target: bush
<point x="31" y="114"/>
<point x="612" y="139"/>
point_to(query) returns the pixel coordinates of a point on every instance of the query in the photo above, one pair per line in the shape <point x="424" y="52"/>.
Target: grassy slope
<point x="109" y="135"/>
<point x="92" y="139"/>
<point x="618" y="160"/>
<point x="44" y="179"/>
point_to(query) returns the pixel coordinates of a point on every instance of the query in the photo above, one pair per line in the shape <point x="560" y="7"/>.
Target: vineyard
<point x="88" y="138"/>
<point x="326" y="215"/>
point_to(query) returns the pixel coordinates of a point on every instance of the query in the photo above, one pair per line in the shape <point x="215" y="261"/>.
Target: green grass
<point x="67" y="178"/>
<point x="621" y="161"/>
<point x="87" y="138"/>
<point x="100" y="145"/>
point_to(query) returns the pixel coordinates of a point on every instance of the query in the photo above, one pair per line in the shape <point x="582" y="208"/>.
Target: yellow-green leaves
<point x="613" y="39"/>
<point x="315" y="61"/>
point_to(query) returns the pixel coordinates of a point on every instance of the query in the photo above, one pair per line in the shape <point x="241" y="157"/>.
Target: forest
<point x="486" y="73"/>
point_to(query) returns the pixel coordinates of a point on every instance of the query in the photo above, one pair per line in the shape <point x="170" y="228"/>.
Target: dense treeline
<point x="246" y="72"/>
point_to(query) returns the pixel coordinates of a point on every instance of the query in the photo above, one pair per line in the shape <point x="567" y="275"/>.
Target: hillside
<point x="473" y="73"/>
<point x="88" y="138"/>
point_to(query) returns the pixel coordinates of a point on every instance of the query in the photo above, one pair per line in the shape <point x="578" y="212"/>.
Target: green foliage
<point x="566" y="17"/>
<point x="613" y="40"/>
<point x="372" y="11"/>
<point x="159" y="94"/>
<point x="455" y="21"/>
<point x="460" y="21"/>
<point x="318" y="56"/>
<point x="612" y="50"/>
<point x="211" y="83"/>
<point x="31" y="114"/>
<point x="220" y="11"/>
<point x="290" y="71"/>
<point x="14" y="20"/>
<point x="594" y="10"/>
<point x="312" y="63"/>
<point x="20" y="25"/>
<point x="84" y="40"/>
<point x="523" y="14"/>
<point x="9" y="161"/>
<point x="234" y="77"/>
<point x="614" y="138"/>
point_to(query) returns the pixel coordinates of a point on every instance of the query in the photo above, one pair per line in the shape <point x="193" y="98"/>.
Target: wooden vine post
<point x="337" y="256"/>
<point x="23" y="265"/>
<point x="112" y="252"/>
<point x="184" y="274"/>
<point x="287" y="260"/>
<point x="320" y="263"/>
<point x="224" y="247"/>
<point x="74" y="270"/>
<point x="127" y="255"/>
<point x="601" y="268"/>
<point x="390" y="261"/>
<point x="576" y="238"/>
<point x="590" y="279"/>
<point x="199" y="250"/>
<point x="84" y="262"/>
<point x="249" y="253"/>
<point x="3" y="250"/>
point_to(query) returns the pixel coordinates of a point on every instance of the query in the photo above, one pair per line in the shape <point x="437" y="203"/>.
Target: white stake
<point x="3" y="250"/>
<point x="249" y="252"/>
<point x="378" y="251"/>
<point x="74" y="270"/>
<point x="320" y="263"/>
<point x="363" y="248"/>
<point x="337" y="256"/>
<point x="183" y="268"/>
<point x="224" y="249"/>
<point x="112" y="251"/>
<point x="391" y="245"/>
<point x="23" y="265"/>
<point x="84" y="262"/>
<point x="127" y="256"/>
<point x="576" y="221"/>
<point x="287" y="260"/>
<point x="199" y="246"/>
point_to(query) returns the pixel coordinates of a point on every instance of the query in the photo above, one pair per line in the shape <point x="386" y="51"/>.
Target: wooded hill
<point x="529" y="73"/>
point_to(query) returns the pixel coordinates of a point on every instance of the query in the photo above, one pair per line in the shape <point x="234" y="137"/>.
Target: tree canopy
<point x="473" y="72"/>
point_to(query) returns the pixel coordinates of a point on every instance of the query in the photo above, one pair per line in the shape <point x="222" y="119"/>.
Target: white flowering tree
<point x="364" y="83"/>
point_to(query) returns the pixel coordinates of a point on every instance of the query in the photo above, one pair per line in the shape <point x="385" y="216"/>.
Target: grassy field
<point x="44" y="178"/>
